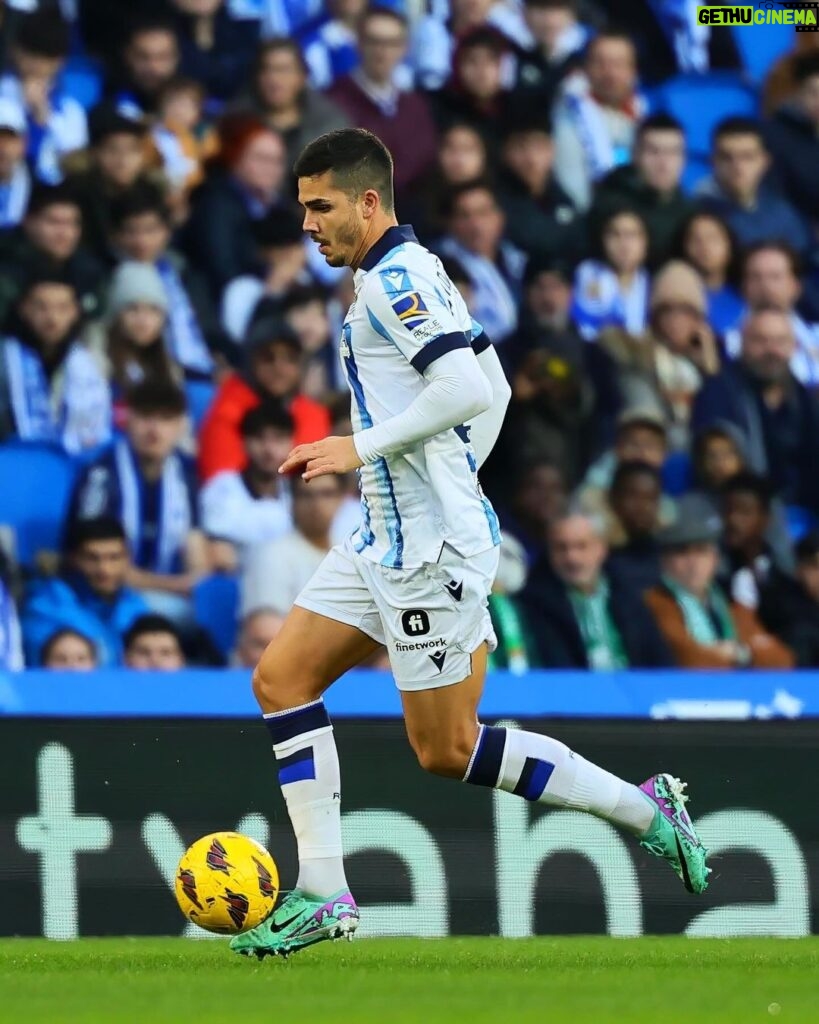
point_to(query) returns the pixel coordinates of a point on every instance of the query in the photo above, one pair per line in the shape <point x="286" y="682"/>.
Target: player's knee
<point x="448" y="757"/>
<point x="273" y="692"/>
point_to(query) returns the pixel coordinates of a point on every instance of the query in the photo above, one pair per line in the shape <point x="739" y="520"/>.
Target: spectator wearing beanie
<point x="131" y="340"/>
<point x="665" y="368"/>
<point x="248" y="180"/>
<point x="273" y="368"/>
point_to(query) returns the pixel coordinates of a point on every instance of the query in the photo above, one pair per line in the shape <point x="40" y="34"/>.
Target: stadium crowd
<point x="167" y="325"/>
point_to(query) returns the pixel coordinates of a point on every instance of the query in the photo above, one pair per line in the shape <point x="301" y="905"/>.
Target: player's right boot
<point x="299" y="920"/>
<point x="672" y="834"/>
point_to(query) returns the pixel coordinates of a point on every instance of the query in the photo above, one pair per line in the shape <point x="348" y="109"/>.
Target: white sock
<point x="544" y="770"/>
<point x="311" y="785"/>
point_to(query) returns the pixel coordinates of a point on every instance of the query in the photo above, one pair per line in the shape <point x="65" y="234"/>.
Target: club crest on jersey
<point x="411" y="310"/>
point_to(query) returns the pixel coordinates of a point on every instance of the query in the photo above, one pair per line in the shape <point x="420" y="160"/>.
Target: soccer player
<point x="428" y="399"/>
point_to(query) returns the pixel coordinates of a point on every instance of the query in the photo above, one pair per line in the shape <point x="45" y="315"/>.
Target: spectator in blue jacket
<point x="90" y="597"/>
<point x="738" y="193"/>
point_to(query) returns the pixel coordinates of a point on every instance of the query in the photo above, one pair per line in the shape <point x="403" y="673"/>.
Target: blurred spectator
<point x="256" y="632"/>
<point x="708" y="244"/>
<point x="254" y="506"/>
<point x="48" y="240"/>
<point x="247" y="181"/>
<point x="718" y="453"/>
<point x="596" y="116"/>
<point x="780" y="85"/>
<point x="69" y="651"/>
<point x="15" y="177"/>
<point x="793" y="138"/>
<point x="90" y="597"/>
<point x="771" y="278"/>
<point x="275" y="572"/>
<point x="641" y="436"/>
<point x="130" y="341"/>
<point x="634" y="522"/>
<point x="142" y="232"/>
<point x="557" y="40"/>
<point x="582" y="616"/>
<point x="214" y="48"/>
<point x="282" y="262"/>
<point x="51" y="386"/>
<point x="477" y="92"/>
<point x="476" y="239"/>
<point x="149" y="60"/>
<point x="272" y="369"/>
<point x="148" y="485"/>
<point x="702" y="628"/>
<point x="650" y="184"/>
<point x="778" y="416"/>
<point x="461" y="158"/>
<point x="119" y="158"/>
<point x="56" y="121"/>
<point x="182" y="134"/>
<point x="540" y="216"/>
<point x="305" y="313"/>
<point x="748" y="557"/>
<point x="281" y="97"/>
<point x="538" y="499"/>
<point x="330" y="42"/>
<point x="664" y="368"/>
<point x="11" y="640"/>
<point x="434" y="40"/>
<point x="613" y="291"/>
<point x="737" y="191"/>
<point x="152" y="643"/>
<point x="789" y="605"/>
<point x="370" y="98"/>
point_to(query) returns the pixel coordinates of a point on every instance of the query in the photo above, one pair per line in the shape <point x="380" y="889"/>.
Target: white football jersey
<point x="406" y="313"/>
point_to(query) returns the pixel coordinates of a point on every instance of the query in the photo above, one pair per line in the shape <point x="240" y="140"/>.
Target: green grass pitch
<point x="576" y="980"/>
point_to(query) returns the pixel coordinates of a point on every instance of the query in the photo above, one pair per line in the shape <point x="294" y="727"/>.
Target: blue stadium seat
<point x="677" y="474"/>
<point x="36" y="481"/>
<point x="700" y="102"/>
<point x="760" y="48"/>
<point x="199" y="394"/>
<point x="216" y="609"/>
<point x="81" y="78"/>
<point x="800" y="521"/>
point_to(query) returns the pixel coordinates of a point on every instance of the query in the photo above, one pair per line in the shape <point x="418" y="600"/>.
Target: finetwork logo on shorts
<point x="803" y="16"/>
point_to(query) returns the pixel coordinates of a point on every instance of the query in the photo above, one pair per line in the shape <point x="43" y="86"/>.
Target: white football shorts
<point x="430" y="619"/>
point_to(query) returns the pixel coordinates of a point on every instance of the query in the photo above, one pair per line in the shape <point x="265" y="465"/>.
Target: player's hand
<point x="332" y="455"/>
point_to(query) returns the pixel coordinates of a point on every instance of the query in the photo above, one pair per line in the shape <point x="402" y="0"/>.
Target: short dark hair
<point x="44" y="196"/>
<point x="156" y="397"/>
<point x="279" y="44"/>
<point x="733" y="126"/>
<point x="658" y="123"/>
<point x="302" y="295"/>
<point x="138" y="200"/>
<point x="456" y="271"/>
<point x="805" y="66"/>
<point x="54" y="639"/>
<point x="150" y="623"/>
<point x="746" y="482"/>
<point x="786" y="250"/>
<point x="631" y="468"/>
<point x="484" y="37"/>
<point x="456" y="192"/>
<point x="143" y="24"/>
<point x="45" y="34"/>
<point x="357" y="159"/>
<point x="379" y="11"/>
<point x="612" y="33"/>
<point x="84" y="531"/>
<point x="279" y="227"/>
<point x="270" y="415"/>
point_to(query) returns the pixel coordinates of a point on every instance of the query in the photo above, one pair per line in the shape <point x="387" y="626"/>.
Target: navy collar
<point x="391" y="238"/>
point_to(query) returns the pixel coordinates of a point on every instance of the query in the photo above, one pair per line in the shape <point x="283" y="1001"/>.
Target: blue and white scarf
<point x="598" y="301"/>
<point x="174" y="507"/>
<point x="587" y="116"/>
<point x="495" y="303"/>
<point x="188" y="345"/>
<point x="14" y="196"/>
<point x="74" y="409"/>
<point x="688" y="40"/>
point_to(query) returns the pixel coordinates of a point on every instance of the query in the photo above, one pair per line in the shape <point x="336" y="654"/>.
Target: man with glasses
<point x="372" y="99"/>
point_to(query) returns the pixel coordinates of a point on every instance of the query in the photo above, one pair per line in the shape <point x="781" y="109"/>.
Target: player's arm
<point x="486" y="426"/>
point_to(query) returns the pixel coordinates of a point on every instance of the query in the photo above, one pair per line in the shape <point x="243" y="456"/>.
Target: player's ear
<point x="370" y="202"/>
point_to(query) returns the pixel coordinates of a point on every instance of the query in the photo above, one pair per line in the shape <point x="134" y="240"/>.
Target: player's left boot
<point x="672" y="834"/>
<point x="300" y="920"/>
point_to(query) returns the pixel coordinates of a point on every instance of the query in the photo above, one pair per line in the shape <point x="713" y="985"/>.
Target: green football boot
<point x="672" y="834"/>
<point x="300" y="920"/>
